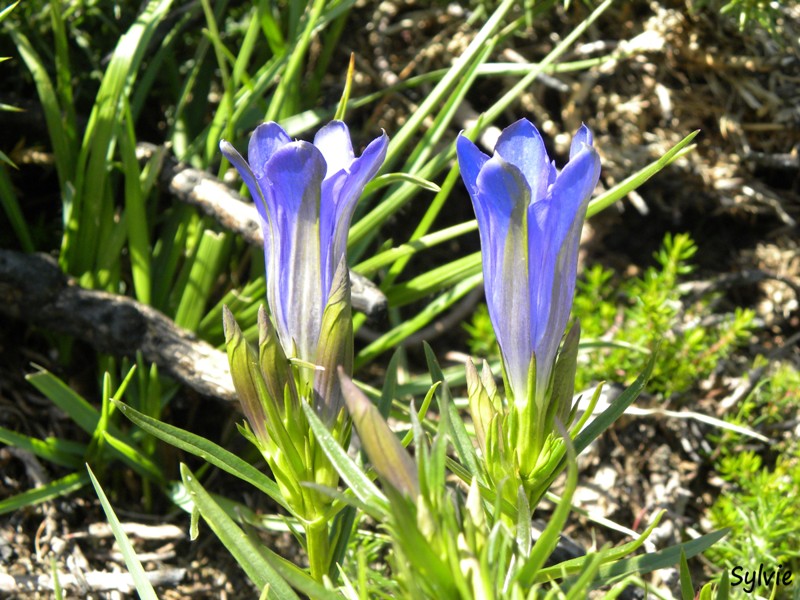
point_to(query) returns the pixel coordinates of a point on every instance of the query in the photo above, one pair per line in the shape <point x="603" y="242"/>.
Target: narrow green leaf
<point x="60" y="452"/>
<point x="207" y="450"/>
<point x="687" y="588"/>
<point x="629" y="184"/>
<point x="242" y="548"/>
<point x="60" y="487"/>
<point x="458" y="432"/>
<point x="355" y="478"/>
<point x="390" y="178"/>
<point x="143" y="585"/>
<point x="651" y="561"/>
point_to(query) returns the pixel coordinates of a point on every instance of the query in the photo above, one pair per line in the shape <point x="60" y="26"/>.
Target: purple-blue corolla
<point x="306" y="195"/>
<point x="529" y="218"/>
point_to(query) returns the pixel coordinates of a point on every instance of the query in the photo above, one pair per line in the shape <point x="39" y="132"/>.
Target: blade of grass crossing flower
<point x="426" y="222"/>
<point x="436" y="279"/>
<point x="391" y="178"/>
<point x="372" y="264"/>
<point x="443" y="90"/>
<point x="242" y="548"/>
<point x="278" y="104"/>
<point x="524" y="84"/>
<point x="352" y="474"/>
<point x="625" y="186"/>
<point x="207" y="450"/>
<point x="457" y="430"/>
<point x="60" y="487"/>
<point x="140" y="580"/>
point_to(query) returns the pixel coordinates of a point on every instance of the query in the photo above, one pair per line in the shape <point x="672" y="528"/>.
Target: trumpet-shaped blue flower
<point x="529" y="218"/>
<point x="306" y="195"/>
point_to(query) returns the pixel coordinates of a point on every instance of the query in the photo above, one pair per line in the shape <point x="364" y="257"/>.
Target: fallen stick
<point x="33" y="288"/>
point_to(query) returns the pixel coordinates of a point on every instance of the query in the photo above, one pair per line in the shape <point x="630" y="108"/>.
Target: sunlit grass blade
<point x="436" y="279"/>
<point x="57" y="451"/>
<point x="625" y="186"/>
<point x="63" y="151"/>
<point x="573" y="566"/>
<point x="141" y="463"/>
<point x="547" y="541"/>
<point x="458" y="432"/>
<point x="137" y="572"/>
<point x="387" y="257"/>
<point x="135" y="213"/>
<point x="242" y="548"/>
<point x="60" y="487"/>
<point x="205" y="267"/>
<point x="661" y="559"/>
<point x="75" y="406"/>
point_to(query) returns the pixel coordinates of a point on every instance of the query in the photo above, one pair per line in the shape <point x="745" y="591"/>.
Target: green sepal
<point x="480" y="405"/>
<point x="335" y="346"/>
<point x="275" y="367"/>
<point x="563" y="388"/>
<point x="242" y="358"/>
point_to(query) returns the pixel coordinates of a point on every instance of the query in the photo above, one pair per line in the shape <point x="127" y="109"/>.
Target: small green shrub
<point x="761" y="505"/>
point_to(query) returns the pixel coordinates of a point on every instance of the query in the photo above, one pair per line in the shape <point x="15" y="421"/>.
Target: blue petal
<point x="247" y="175"/>
<point x="295" y="174"/>
<point x="340" y="194"/>
<point x="266" y="140"/>
<point x="500" y="205"/>
<point x="333" y="141"/>
<point x="553" y="254"/>
<point x="583" y="136"/>
<point x="521" y="145"/>
<point x="470" y="162"/>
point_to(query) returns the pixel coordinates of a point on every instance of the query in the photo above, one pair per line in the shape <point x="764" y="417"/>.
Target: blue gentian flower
<point x="529" y="218"/>
<point x="306" y="195"/>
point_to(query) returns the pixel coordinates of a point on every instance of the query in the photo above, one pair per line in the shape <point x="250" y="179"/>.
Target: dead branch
<point x="33" y="288"/>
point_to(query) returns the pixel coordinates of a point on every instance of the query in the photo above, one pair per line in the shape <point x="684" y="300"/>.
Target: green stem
<point x="318" y="548"/>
